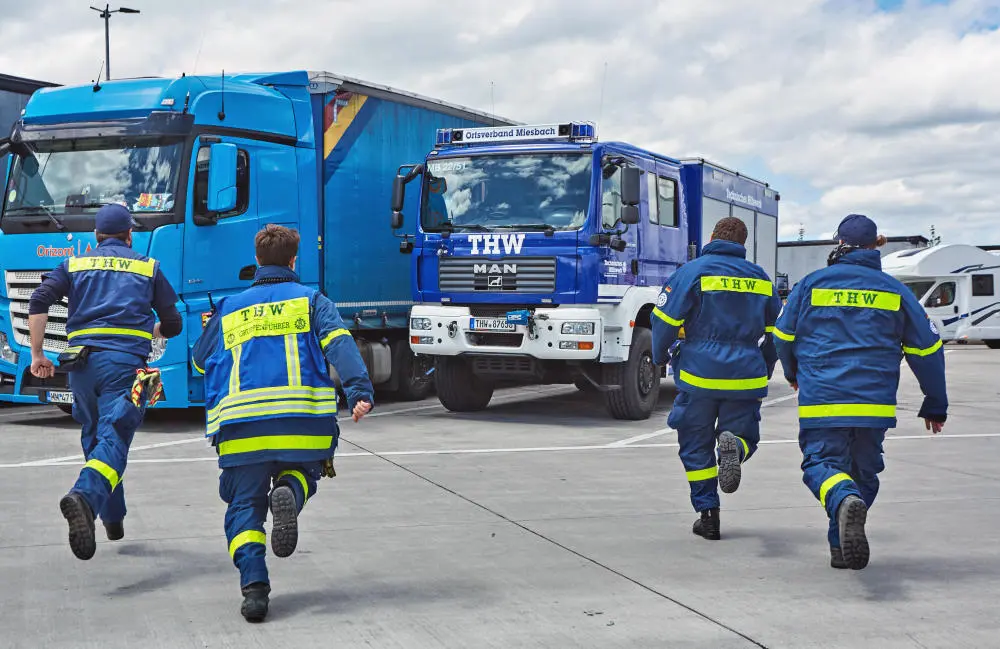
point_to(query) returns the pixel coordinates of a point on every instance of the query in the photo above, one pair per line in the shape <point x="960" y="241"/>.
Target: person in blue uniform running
<point x="271" y="406"/>
<point x="840" y="338"/>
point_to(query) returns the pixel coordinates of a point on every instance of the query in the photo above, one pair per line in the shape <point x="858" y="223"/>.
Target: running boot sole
<point x="81" y="526"/>
<point x="853" y="543"/>
<point x="285" y="529"/>
<point x="730" y="470"/>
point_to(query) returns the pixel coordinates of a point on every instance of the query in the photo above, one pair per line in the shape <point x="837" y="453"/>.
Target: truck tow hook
<point x="452" y="329"/>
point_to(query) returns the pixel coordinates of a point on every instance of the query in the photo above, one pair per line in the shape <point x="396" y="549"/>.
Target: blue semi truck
<point x="204" y="162"/>
<point x="541" y="251"/>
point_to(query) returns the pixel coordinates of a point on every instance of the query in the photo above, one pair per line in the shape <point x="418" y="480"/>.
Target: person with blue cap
<point x="840" y="338"/>
<point x="113" y="291"/>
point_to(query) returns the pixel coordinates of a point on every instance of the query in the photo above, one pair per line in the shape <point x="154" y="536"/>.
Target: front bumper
<point x="451" y="334"/>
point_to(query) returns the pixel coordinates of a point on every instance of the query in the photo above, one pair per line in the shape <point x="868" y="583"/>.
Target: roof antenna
<point x="493" y="105"/>
<point x="600" y="109"/>
<point x="222" y="112"/>
<point x="97" y="84"/>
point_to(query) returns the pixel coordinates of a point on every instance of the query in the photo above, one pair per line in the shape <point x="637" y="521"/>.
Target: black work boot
<point x="730" y="469"/>
<point x="851" y="517"/>
<point x="707" y="526"/>
<point x="255" y="601"/>
<point x="285" y="524"/>
<point x="115" y="531"/>
<point x="837" y="558"/>
<point x="77" y="513"/>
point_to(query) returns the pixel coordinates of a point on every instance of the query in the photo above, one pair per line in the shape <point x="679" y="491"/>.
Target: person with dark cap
<point x="113" y="291"/>
<point x="728" y="307"/>
<point x="840" y="337"/>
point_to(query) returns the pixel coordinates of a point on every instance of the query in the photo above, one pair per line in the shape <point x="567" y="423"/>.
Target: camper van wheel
<point x="638" y="377"/>
<point x="992" y="344"/>
<point x="458" y="388"/>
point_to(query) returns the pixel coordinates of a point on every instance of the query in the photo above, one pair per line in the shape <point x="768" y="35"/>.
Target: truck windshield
<point x="496" y="191"/>
<point x="56" y="179"/>
<point x="919" y="288"/>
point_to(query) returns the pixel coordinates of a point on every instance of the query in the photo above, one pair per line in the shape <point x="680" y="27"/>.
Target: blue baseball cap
<point x="857" y="230"/>
<point x="114" y="219"/>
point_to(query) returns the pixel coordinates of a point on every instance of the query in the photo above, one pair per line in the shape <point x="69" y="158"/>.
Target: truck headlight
<point x="159" y="348"/>
<point x="420" y="323"/>
<point x="7" y="352"/>
<point x="578" y="328"/>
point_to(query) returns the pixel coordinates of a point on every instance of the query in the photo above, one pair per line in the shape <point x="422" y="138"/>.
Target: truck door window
<point x="666" y="197"/>
<point x="201" y="183"/>
<point x="982" y="286"/>
<point x="654" y="205"/>
<point x="611" y="199"/>
<point x="943" y="295"/>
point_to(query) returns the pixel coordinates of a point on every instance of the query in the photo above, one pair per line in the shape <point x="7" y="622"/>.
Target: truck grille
<point x="20" y="285"/>
<point x="490" y="339"/>
<point x="508" y="275"/>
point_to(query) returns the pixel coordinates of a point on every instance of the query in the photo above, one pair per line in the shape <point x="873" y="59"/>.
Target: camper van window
<point x="919" y="288"/>
<point x="982" y="286"/>
<point x="943" y="295"/>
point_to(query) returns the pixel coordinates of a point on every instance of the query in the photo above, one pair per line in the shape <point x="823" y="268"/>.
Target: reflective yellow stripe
<point x="855" y="298"/>
<point x="847" y="410"/>
<point x="271" y="409"/>
<point x="109" y="474"/>
<point x="196" y="368"/>
<point x="241" y="539"/>
<point x="110" y="331"/>
<point x="280" y="393"/>
<point x="829" y="483"/>
<point x="276" y="443"/>
<point x="336" y="333"/>
<point x="703" y="474"/>
<point x="298" y="476"/>
<point x="266" y="319"/>
<point x="746" y="447"/>
<point x="234" y="373"/>
<point x="292" y="365"/>
<point x="663" y="316"/>
<point x="781" y="334"/>
<point x="768" y="330"/>
<point x="916" y="351"/>
<point x="736" y="285"/>
<point x="723" y="384"/>
<point x="119" y="264"/>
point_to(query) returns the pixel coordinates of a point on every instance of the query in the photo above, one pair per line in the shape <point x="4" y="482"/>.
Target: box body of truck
<point x="313" y="151"/>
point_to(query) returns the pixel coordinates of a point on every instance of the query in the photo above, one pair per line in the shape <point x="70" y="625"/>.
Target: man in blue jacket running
<point x="727" y="306"/>
<point x="840" y="338"/>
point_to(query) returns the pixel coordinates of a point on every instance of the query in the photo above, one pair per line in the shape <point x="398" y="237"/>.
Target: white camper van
<point x="958" y="285"/>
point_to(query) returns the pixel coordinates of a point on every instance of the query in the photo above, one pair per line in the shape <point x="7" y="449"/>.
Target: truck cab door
<point x="663" y="238"/>
<point x="943" y="307"/>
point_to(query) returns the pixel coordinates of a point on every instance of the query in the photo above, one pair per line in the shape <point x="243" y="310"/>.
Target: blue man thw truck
<point x="541" y="251"/>
<point x="204" y="162"/>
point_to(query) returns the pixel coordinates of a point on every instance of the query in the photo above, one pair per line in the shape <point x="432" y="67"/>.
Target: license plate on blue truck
<point x="490" y="324"/>
<point x="60" y="397"/>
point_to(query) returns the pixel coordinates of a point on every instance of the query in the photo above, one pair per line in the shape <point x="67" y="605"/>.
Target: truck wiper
<point x="448" y="226"/>
<point x="39" y="209"/>
<point x="545" y="227"/>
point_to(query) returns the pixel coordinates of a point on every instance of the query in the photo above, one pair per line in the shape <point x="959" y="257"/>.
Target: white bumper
<point x="451" y="334"/>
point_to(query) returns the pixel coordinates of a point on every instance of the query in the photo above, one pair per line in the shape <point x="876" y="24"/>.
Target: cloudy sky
<point x="887" y="107"/>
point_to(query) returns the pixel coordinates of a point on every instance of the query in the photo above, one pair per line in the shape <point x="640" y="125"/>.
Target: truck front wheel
<point x="458" y="388"/>
<point x="415" y="381"/>
<point x="638" y="378"/>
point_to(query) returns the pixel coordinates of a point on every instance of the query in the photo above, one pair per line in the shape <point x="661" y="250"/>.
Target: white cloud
<point x="892" y="114"/>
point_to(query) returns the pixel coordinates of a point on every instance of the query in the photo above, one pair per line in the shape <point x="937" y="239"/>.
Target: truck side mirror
<point x="221" y="178"/>
<point x="397" y="220"/>
<point x="398" y="196"/>
<point x="630" y="214"/>
<point x="631" y="177"/>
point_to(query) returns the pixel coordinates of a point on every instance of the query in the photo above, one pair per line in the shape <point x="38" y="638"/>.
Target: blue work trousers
<point x="698" y="421"/>
<point x="97" y="387"/>
<point x="840" y="462"/>
<point x="246" y="489"/>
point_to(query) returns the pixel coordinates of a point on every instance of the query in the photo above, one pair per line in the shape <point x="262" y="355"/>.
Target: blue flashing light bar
<point x="569" y="132"/>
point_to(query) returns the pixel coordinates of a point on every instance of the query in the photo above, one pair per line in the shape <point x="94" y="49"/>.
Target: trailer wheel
<point x="415" y="380"/>
<point x="458" y="388"/>
<point x="992" y="344"/>
<point x="638" y="377"/>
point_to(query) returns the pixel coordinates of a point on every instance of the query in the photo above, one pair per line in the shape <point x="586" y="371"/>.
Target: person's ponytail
<point x="880" y="241"/>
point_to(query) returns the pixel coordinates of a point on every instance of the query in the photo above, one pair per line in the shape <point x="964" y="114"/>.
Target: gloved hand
<point x="328" y="471"/>
<point x="147" y="380"/>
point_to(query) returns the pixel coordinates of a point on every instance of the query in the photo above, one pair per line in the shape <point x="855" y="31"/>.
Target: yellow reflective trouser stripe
<point x="298" y="476"/>
<point x="292" y="360"/>
<point x="768" y="330"/>
<point x="234" y="374"/>
<point x="916" y="351"/>
<point x="781" y="334"/>
<point x="241" y="539"/>
<point x="196" y="368"/>
<point x="829" y="483"/>
<point x="120" y="264"/>
<point x="109" y="474"/>
<point x="855" y="298"/>
<point x="276" y="443"/>
<point x="703" y="474"/>
<point x="723" y="384"/>
<point x="847" y="410"/>
<point x="736" y="285"/>
<point x="663" y="316"/>
<point x="110" y="331"/>
<point x="336" y="333"/>
<point x="746" y="447"/>
<point x="259" y="396"/>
